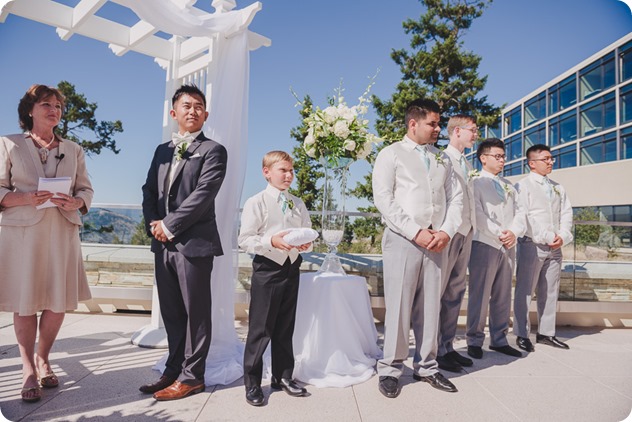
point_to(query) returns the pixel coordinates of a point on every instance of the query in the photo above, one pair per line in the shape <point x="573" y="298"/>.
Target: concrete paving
<point x="100" y="372"/>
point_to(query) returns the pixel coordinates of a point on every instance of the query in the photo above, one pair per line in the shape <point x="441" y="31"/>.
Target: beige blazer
<point x="20" y="170"/>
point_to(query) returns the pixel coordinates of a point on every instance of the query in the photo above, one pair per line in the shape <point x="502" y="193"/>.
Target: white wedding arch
<point x="212" y="51"/>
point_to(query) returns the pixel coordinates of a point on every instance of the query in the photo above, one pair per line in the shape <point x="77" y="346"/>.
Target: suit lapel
<point x="62" y="163"/>
<point x="190" y="150"/>
<point x="164" y="164"/>
<point x="30" y="150"/>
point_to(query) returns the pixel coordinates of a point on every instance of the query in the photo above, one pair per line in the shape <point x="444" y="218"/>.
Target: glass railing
<point x="597" y="266"/>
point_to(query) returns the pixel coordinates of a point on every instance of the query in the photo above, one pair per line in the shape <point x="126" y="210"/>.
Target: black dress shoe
<point x="507" y="350"/>
<point x="461" y="360"/>
<point x="161" y="384"/>
<point x="254" y="395"/>
<point x="475" y="351"/>
<point x="447" y="364"/>
<point x="551" y="341"/>
<point x="438" y="381"/>
<point x="525" y="344"/>
<point x="389" y="387"/>
<point x="289" y="386"/>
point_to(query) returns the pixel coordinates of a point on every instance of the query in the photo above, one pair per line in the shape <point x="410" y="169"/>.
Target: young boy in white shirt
<point x="266" y="219"/>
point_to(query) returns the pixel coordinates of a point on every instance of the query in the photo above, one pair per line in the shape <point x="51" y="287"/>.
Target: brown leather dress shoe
<point x="178" y="390"/>
<point x="163" y="382"/>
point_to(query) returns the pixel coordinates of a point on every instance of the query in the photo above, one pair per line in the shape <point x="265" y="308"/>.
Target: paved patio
<point x="100" y="372"/>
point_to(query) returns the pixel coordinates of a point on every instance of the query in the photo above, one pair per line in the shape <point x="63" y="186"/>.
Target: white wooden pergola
<point x="196" y="51"/>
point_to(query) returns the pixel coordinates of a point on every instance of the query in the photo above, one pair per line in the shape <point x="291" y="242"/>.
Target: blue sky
<point x="524" y="44"/>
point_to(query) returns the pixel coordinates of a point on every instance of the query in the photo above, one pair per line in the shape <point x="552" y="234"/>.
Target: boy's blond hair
<point x="459" y="120"/>
<point x="273" y="157"/>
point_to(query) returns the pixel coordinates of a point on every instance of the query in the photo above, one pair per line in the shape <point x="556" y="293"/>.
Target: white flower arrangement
<point x="339" y="131"/>
<point x="472" y="174"/>
<point x="439" y="159"/>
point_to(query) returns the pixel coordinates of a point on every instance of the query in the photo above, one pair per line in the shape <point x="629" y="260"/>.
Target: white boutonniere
<point x="181" y="150"/>
<point x="556" y="190"/>
<point x="439" y="159"/>
<point x="472" y="174"/>
<point x="290" y="204"/>
<point x="508" y="189"/>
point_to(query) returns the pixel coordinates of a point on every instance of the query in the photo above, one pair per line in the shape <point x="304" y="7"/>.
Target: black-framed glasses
<point x="547" y="159"/>
<point x="497" y="156"/>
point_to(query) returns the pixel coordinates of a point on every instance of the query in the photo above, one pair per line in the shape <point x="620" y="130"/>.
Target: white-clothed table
<point x="335" y="340"/>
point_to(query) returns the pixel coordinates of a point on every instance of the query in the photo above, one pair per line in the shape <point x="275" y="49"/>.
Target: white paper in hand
<point x="53" y="185"/>
<point x="297" y="237"/>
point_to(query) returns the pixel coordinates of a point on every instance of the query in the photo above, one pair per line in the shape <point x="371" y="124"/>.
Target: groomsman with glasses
<point x="499" y="222"/>
<point x="549" y="223"/>
<point x="463" y="133"/>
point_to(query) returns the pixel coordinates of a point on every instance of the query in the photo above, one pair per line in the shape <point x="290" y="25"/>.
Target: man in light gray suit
<point x="499" y="221"/>
<point x="420" y="203"/>
<point x="463" y="132"/>
<point x="179" y="210"/>
<point x="549" y="223"/>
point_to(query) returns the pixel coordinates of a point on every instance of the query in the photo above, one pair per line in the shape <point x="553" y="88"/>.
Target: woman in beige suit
<point x="42" y="266"/>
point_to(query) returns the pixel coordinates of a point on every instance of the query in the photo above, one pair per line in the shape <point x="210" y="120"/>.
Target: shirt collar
<point x="274" y="192"/>
<point x="410" y="144"/>
<point x="537" y="177"/>
<point x="485" y="173"/>
<point x="453" y="152"/>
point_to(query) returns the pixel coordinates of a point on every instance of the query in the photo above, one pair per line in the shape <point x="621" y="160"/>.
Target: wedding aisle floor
<point x="100" y="372"/>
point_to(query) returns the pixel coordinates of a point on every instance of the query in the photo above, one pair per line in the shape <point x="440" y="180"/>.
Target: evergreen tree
<point x="139" y="237"/>
<point x="307" y="171"/>
<point x="437" y="67"/>
<point x="78" y="123"/>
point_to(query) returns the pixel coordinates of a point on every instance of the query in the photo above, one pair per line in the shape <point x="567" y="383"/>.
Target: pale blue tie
<point x="463" y="167"/>
<point x="549" y="187"/>
<point x="423" y="151"/>
<point x="499" y="188"/>
<point x="284" y="202"/>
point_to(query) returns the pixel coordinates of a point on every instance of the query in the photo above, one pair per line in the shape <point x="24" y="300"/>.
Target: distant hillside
<point x="108" y="226"/>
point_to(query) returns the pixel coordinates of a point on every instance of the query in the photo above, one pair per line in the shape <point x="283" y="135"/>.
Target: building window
<point x="563" y="128"/>
<point x="565" y="157"/>
<point x="626" y="143"/>
<point x="513" y="122"/>
<point x="599" y="150"/>
<point x="625" y="56"/>
<point x="562" y="95"/>
<point x="596" y="77"/>
<point x="513" y="169"/>
<point x="534" y="136"/>
<point x="535" y="109"/>
<point x="598" y="115"/>
<point x="494" y="131"/>
<point x="513" y="147"/>
<point x="626" y="103"/>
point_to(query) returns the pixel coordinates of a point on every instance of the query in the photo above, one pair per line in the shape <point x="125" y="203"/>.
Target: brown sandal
<point x="31" y="398"/>
<point x="50" y="380"/>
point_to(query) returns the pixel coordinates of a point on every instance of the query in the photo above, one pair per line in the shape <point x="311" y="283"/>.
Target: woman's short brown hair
<point x="35" y="94"/>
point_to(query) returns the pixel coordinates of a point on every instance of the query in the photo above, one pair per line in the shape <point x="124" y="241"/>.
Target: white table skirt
<point x="335" y="340"/>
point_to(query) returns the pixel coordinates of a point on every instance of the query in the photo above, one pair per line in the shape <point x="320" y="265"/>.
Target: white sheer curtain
<point x="227" y="124"/>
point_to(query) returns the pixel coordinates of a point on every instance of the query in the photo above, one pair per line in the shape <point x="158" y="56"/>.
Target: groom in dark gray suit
<point x="179" y="209"/>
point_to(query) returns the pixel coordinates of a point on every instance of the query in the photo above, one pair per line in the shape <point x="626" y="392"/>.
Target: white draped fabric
<point x="227" y="124"/>
<point x="335" y="340"/>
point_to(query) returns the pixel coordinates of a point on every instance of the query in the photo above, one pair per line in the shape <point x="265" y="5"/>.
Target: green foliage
<point x="307" y="171"/>
<point x="587" y="234"/>
<point x="78" y="123"/>
<point x="139" y="237"/>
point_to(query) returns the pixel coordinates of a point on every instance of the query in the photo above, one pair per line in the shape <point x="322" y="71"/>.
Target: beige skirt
<point x="41" y="266"/>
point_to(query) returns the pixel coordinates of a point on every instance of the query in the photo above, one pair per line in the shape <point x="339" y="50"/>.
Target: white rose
<point x="330" y="114"/>
<point x="349" y="145"/>
<point x="310" y="150"/>
<point x="367" y="148"/>
<point x="309" y="139"/>
<point x="341" y="129"/>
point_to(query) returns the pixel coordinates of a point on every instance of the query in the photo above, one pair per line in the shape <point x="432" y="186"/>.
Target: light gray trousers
<point x="491" y="272"/>
<point x="539" y="269"/>
<point x="455" y="272"/>
<point x="412" y="292"/>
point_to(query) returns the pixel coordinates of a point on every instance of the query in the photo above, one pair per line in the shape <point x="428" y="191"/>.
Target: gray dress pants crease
<point x="412" y="292"/>
<point x="539" y="270"/>
<point x="455" y="272"/>
<point x="491" y="271"/>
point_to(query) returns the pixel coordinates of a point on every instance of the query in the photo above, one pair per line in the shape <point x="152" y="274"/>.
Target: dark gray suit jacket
<point x="197" y="180"/>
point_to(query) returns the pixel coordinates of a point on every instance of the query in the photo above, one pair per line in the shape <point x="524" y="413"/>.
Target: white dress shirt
<point x="495" y="214"/>
<point x="548" y="210"/>
<point x="411" y="197"/>
<point x="465" y="181"/>
<point x="263" y="217"/>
